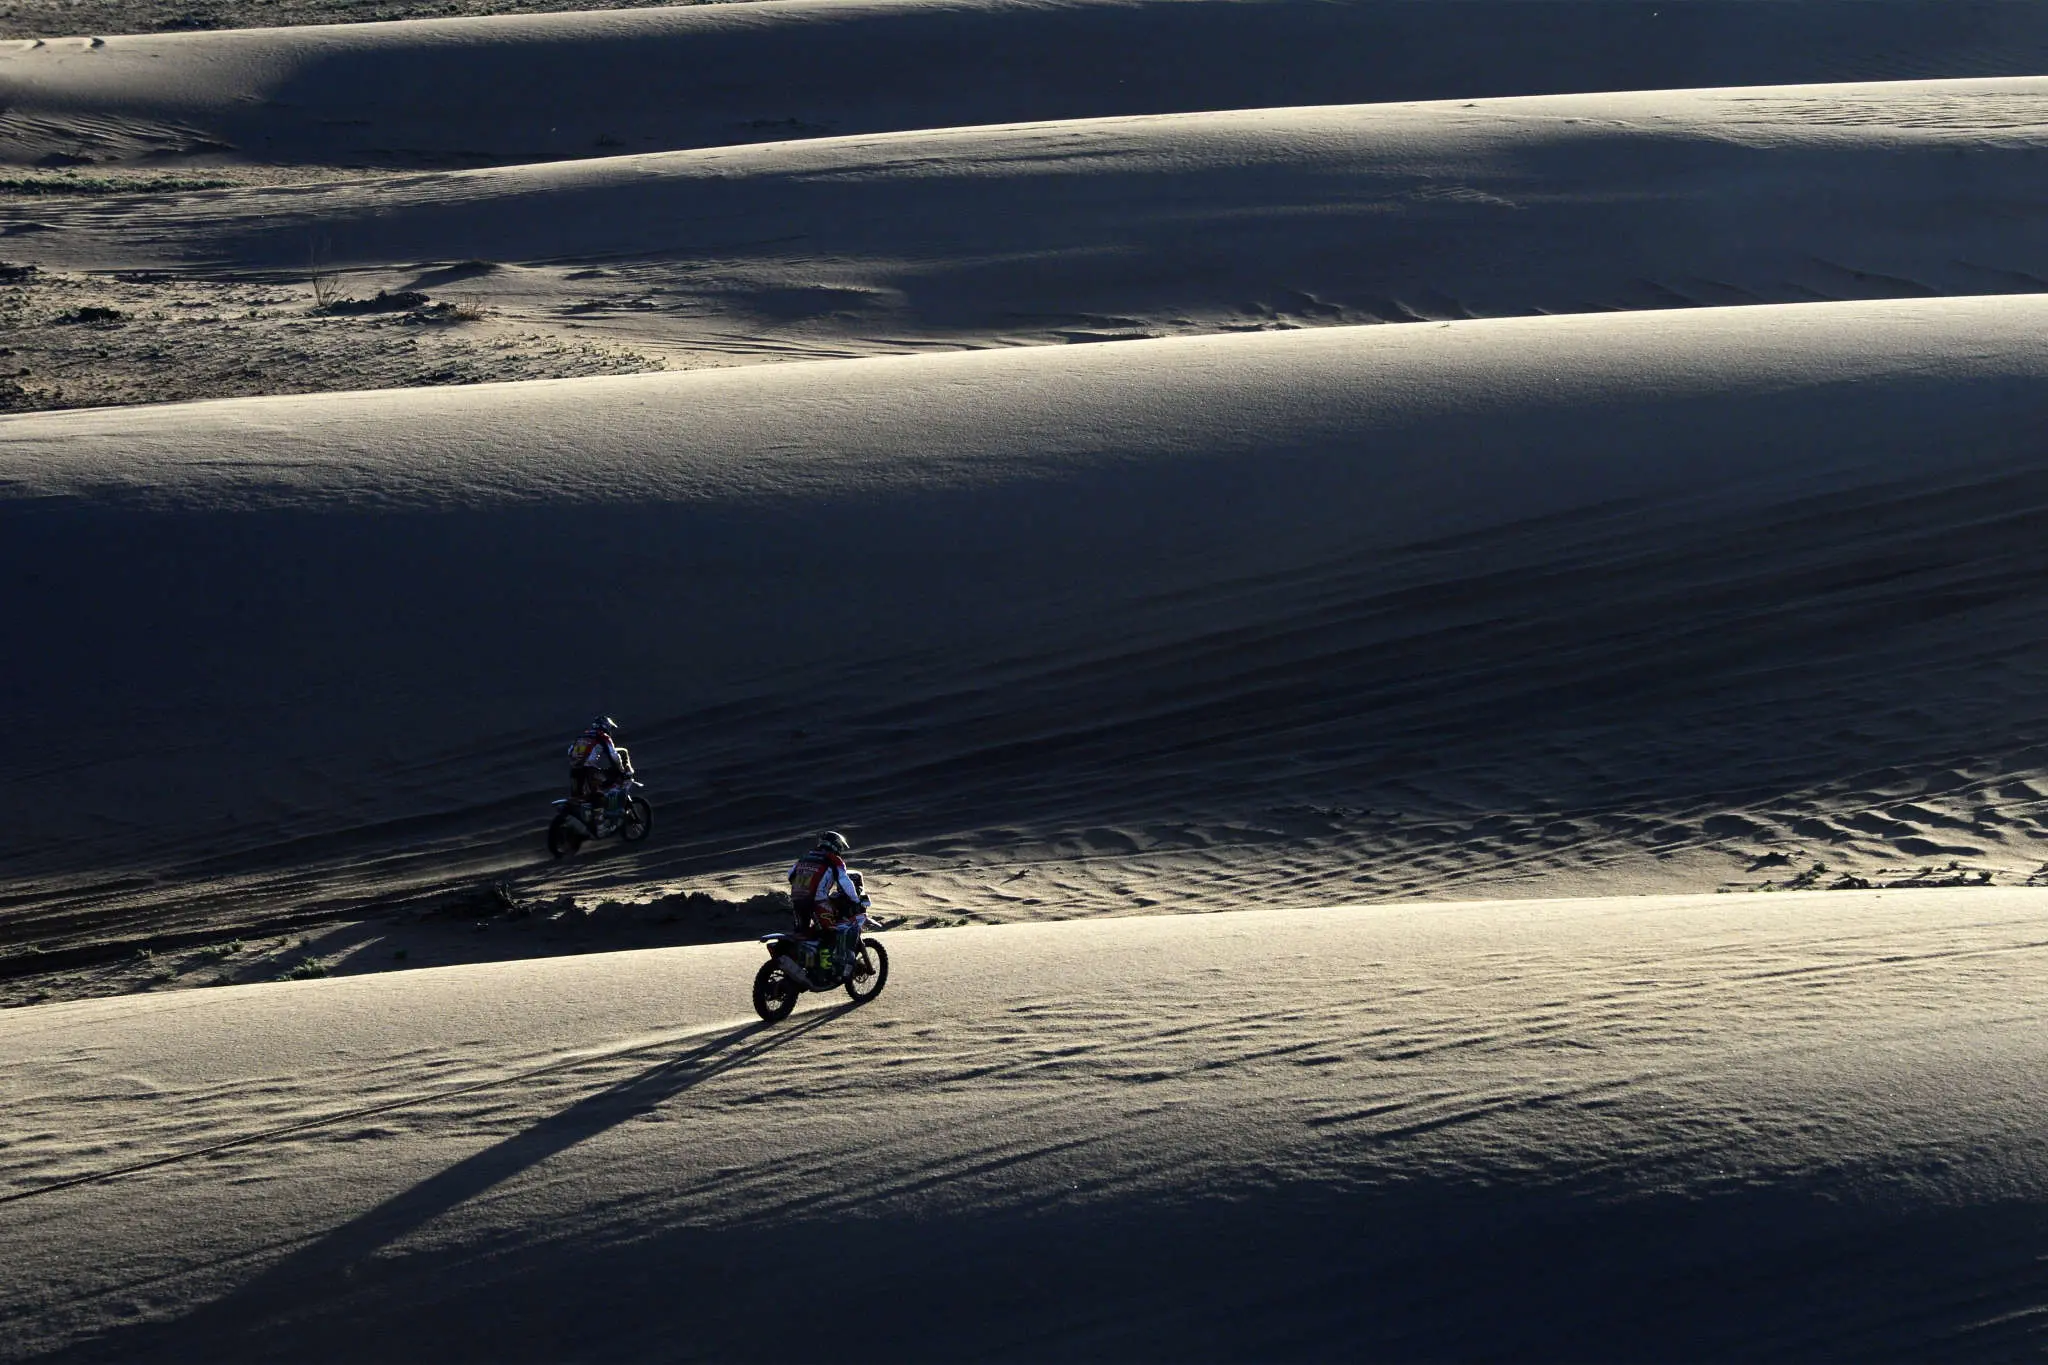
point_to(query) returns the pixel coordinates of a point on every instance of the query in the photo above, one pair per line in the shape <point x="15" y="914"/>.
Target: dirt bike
<point x="793" y="967"/>
<point x="577" y="821"/>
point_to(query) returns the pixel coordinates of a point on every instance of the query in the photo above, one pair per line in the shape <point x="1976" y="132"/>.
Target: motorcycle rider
<point x="826" y="899"/>
<point x="598" y="767"/>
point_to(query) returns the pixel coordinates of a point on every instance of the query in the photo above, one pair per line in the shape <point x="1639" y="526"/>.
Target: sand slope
<point x="471" y="91"/>
<point x="1172" y="225"/>
<point x="1210" y="621"/>
<point x="1684" y="1128"/>
<point x="1572" y="581"/>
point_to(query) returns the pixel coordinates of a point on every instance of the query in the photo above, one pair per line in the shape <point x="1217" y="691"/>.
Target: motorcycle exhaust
<point x="794" y="972"/>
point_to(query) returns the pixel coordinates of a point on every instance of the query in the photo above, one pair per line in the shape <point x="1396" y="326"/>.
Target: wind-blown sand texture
<point x="1184" y="623"/>
<point x="1526" y="450"/>
<point x="1673" y="1128"/>
<point x="164" y="201"/>
<point x="1191" y="223"/>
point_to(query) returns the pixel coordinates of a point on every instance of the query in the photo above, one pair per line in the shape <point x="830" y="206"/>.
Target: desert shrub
<point x="46" y="186"/>
<point x="405" y="300"/>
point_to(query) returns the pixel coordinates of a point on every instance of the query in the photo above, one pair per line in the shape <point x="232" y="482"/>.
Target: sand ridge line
<point x="725" y="1034"/>
<point x="1043" y="234"/>
<point x="572" y="85"/>
<point x="1383" y="578"/>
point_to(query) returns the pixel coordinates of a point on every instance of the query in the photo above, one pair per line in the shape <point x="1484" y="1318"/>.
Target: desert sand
<point x="1138" y="624"/>
<point x="1426" y="617"/>
<point x="518" y="87"/>
<point x="1672" y="1128"/>
<point x="1129" y="228"/>
<point x="199" y="215"/>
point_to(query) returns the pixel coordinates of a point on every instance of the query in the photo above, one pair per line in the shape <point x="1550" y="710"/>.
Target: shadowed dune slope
<point x="1687" y="1128"/>
<point x="1180" y="224"/>
<point x="1526" y="598"/>
<point x="514" y="89"/>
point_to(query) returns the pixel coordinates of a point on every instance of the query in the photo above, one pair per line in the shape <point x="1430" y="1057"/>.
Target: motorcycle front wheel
<point x="637" y="820"/>
<point x="774" y="993"/>
<point x="562" y="839"/>
<point x="870" y="972"/>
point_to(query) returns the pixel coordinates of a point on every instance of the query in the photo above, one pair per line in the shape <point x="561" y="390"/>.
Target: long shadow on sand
<point x="1312" y="1273"/>
<point x="340" y="1264"/>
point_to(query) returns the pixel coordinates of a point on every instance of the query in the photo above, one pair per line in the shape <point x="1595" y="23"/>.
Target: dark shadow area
<point x="592" y="90"/>
<point x="343" y="1261"/>
<point x="485" y="927"/>
<point x="458" y="273"/>
<point x="1417" y="1273"/>
<point x="1754" y="628"/>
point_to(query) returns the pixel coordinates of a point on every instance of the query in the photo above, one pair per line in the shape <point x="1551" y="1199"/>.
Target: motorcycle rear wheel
<point x="562" y="840"/>
<point x="637" y="820"/>
<point x="870" y="973"/>
<point x="774" y="993"/>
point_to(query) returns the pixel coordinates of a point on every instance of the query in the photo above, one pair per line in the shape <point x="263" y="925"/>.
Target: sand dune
<point x="1172" y="225"/>
<point x="472" y="91"/>
<point x="1634" y="599"/>
<point x="1676" y="1128"/>
<point x="1684" y="532"/>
